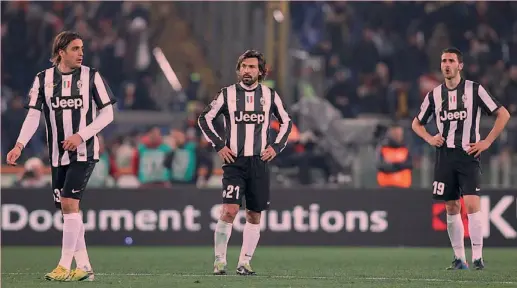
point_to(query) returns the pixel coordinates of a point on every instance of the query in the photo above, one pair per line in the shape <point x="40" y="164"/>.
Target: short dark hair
<point x="456" y="51"/>
<point x="62" y="41"/>
<point x="261" y="62"/>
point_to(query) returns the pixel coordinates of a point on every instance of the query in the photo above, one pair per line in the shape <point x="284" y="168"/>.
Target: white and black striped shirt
<point x="247" y="114"/>
<point x="71" y="103"/>
<point x="457" y="112"/>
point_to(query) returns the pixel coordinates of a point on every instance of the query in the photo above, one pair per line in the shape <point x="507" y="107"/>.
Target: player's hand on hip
<point x="227" y="155"/>
<point x="436" y="140"/>
<point x="71" y="143"/>
<point x="268" y="154"/>
<point x="477" y="148"/>
<point x="13" y="155"/>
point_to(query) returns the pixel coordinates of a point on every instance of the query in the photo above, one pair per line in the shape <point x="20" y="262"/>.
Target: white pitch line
<point x="288" y="277"/>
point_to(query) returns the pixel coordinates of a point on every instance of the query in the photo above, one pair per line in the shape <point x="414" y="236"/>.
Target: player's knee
<point x="472" y="203"/>
<point x="229" y="212"/>
<point x="69" y="205"/>
<point x="453" y="207"/>
<point x="253" y="217"/>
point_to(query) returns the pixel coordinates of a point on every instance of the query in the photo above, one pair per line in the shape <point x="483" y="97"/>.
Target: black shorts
<point x="455" y="174"/>
<point x="70" y="181"/>
<point x="247" y="177"/>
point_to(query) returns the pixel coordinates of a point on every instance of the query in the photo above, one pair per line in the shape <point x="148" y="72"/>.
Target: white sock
<point x="456" y="234"/>
<point x="476" y="235"/>
<point x="71" y="228"/>
<point x="223" y="231"/>
<point x="81" y="254"/>
<point x="250" y="239"/>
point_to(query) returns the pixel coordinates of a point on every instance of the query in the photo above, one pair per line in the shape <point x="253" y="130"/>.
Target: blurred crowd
<point x="116" y="42"/>
<point x="381" y="58"/>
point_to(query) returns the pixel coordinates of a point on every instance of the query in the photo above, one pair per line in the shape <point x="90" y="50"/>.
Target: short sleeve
<point x="426" y="110"/>
<point x="487" y="102"/>
<point x="36" y="96"/>
<point x="102" y="94"/>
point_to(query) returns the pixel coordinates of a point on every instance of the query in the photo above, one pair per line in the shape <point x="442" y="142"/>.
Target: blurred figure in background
<point x="181" y="161"/>
<point x="509" y="97"/>
<point x="33" y="175"/>
<point x="148" y="159"/>
<point x="105" y="171"/>
<point x="12" y="120"/>
<point x="205" y="162"/>
<point x="394" y="162"/>
<point x="123" y="150"/>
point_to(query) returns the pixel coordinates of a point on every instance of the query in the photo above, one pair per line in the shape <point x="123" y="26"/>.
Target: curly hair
<point x="261" y="60"/>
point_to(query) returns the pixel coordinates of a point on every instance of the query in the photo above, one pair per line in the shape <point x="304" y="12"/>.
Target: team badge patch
<point x="262" y="101"/>
<point x="249" y="99"/>
<point x="79" y="84"/>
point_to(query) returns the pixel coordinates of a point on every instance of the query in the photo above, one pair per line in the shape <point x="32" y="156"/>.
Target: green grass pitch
<point x="276" y="267"/>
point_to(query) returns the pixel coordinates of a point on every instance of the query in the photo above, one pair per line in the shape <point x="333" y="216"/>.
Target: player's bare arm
<point x="500" y="122"/>
<point x="436" y="140"/>
<point x="29" y="126"/>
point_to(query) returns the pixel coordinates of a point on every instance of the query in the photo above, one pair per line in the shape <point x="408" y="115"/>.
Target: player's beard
<point x="249" y="81"/>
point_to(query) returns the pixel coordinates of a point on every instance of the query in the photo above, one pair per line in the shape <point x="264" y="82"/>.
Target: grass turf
<point x="276" y="267"/>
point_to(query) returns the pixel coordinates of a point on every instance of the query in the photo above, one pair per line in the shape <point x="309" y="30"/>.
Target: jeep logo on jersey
<point x="453" y="115"/>
<point x="249" y="117"/>
<point x="72" y="102"/>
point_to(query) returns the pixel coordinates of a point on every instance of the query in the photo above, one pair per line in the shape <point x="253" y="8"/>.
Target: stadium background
<point x="347" y="71"/>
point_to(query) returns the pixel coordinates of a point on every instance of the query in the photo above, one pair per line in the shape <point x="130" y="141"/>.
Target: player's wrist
<point x="19" y="146"/>
<point x="489" y="140"/>
<point x="275" y="147"/>
<point x="83" y="137"/>
<point x="219" y="147"/>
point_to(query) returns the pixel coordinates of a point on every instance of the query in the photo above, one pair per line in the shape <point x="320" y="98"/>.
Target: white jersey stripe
<point x="84" y="91"/>
<point x="49" y="92"/>
<point x="469" y="104"/>
<point x="232" y="107"/>
<point x="483" y="95"/>
<point x="423" y="108"/>
<point x="34" y="93"/>
<point x="249" y="135"/>
<point x="478" y="119"/>
<point x="66" y="91"/>
<point x="266" y="94"/>
<point x="284" y="118"/>
<point x="209" y="117"/>
<point x="95" y="138"/>
<point x="101" y="89"/>
<point x="452" y="97"/>
<point x="437" y="97"/>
